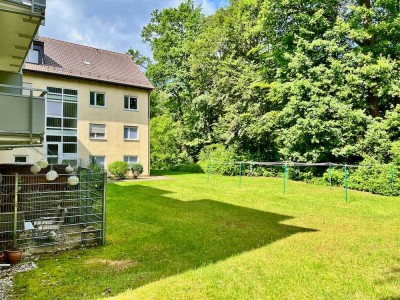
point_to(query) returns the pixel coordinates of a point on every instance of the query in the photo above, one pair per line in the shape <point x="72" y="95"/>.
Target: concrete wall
<point x="114" y="147"/>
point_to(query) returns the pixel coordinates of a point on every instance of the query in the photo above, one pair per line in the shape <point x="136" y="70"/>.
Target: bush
<point x="136" y="167"/>
<point x="188" y="168"/>
<point x="375" y="178"/>
<point x="118" y="169"/>
<point x="337" y="177"/>
<point x="395" y="153"/>
<point x="220" y="159"/>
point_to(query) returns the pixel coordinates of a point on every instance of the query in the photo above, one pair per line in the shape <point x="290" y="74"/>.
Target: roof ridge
<point x="91" y="47"/>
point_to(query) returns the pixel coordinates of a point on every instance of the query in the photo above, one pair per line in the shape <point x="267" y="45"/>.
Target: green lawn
<point x="185" y="238"/>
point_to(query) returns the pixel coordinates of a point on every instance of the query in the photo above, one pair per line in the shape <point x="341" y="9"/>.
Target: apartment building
<point x="96" y="107"/>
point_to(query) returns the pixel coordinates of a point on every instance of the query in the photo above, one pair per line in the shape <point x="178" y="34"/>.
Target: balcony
<point x="20" y="21"/>
<point x="22" y="116"/>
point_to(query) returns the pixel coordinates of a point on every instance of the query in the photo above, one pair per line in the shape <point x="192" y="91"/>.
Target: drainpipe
<point x="148" y="127"/>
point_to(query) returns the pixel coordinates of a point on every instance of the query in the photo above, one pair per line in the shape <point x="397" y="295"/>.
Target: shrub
<point x="118" y="169"/>
<point x="395" y="153"/>
<point x="375" y="178"/>
<point x="136" y="167"/>
<point x="221" y="159"/>
<point x="188" y="168"/>
<point x="337" y="177"/>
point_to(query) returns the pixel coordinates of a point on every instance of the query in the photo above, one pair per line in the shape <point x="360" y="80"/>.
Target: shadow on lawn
<point x="171" y="236"/>
<point x="151" y="236"/>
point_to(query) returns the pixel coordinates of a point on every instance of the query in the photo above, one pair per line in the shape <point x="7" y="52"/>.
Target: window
<point x="53" y="122"/>
<point x="70" y="148"/>
<point x="53" y="138"/>
<point x="33" y="56"/>
<point x="131" y="159"/>
<point x="131" y="103"/>
<point x="97" y="99"/>
<point x="130" y="133"/>
<point x="21" y="159"/>
<point x="54" y="109"/>
<point x="97" y="131"/>
<point x="70" y="110"/>
<point x="101" y="160"/>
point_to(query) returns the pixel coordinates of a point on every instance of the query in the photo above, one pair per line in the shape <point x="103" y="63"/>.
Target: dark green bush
<point x="118" y="169"/>
<point x="188" y="168"/>
<point x="136" y="167"/>
<point x="375" y="178"/>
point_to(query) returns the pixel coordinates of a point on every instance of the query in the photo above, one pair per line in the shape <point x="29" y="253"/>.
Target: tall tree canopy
<point x="302" y="80"/>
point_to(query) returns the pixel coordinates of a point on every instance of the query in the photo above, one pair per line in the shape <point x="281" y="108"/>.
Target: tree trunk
<point x="373" y="103"/>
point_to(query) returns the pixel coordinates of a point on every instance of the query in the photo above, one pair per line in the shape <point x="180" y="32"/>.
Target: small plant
<point x="118" y="169"/>
<point x="137" y="169"/>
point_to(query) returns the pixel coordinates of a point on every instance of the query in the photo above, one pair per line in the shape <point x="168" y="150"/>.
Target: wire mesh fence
<point x="38" y="215"/>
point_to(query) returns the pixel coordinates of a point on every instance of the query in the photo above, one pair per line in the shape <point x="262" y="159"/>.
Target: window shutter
<point x="98" y="129"/>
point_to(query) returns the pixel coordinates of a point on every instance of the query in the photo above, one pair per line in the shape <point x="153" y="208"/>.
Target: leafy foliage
<point x="166" y="147"/>
<point x="307" y="81"/>
<point x="118" y="169"/>
<point x="136" y="167"/>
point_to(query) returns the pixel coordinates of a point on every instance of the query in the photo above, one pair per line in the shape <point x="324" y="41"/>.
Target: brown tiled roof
<point x="69" y="59"/>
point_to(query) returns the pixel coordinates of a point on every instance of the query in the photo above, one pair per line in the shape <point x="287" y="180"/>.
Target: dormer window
<point x="35" y="54"/>
<point x="33" y="57"/>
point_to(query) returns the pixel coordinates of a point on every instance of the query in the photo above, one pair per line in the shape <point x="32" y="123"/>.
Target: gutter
<point x="149" y="89"/>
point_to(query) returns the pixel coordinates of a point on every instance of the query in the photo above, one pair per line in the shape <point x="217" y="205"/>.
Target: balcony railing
<point x="37" y="6"/>
<point x="22" y="116"/>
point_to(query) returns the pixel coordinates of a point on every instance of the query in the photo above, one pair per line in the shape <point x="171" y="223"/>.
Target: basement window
<point x="20" y="159"/>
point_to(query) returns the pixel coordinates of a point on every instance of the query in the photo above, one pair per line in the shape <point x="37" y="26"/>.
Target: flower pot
<point x="1" y="257"/>
<point x="14" y="256"/>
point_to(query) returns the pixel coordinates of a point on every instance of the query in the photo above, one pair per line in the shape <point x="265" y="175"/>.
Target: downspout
<point x="148" y="136"/>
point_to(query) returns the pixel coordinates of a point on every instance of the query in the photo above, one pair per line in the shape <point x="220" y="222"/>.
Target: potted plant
<point x="136" y="169"/>
<point x="14" y="255"/>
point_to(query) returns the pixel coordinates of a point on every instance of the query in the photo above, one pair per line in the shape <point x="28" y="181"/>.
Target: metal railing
<point x="38" y="215"/>
<point x="36" y="5"/>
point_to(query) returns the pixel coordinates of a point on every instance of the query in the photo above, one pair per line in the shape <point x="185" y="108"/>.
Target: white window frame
<point x="95" y="99"/>
<point x="137" y="133"/>
<point x="127" y="160"/>
<point x="137" y="103"/>
<point x="97" y="138"/>
<point x="18" y="162"/>
<point x="63" y="97"/>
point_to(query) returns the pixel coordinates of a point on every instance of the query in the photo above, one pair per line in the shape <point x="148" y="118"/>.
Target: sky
<point x="113" y="25"/>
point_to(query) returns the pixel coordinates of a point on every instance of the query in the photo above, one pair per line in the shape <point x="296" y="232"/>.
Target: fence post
<point x="209" y="172"/>
<point x="103" y="242"/>
<point x="15" y="210"/>
<point x="240" y="174"/>
<point x="284" y="178"/>
<point x="391" y="176"/>
<point x="330" y="175"/>
<point x="346" y="187"/>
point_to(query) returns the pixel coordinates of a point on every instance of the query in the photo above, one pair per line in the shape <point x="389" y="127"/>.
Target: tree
<point x="138" y="58"/>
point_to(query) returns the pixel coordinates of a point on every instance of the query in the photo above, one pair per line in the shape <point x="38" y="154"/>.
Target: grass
<point x="185" y="238"/>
